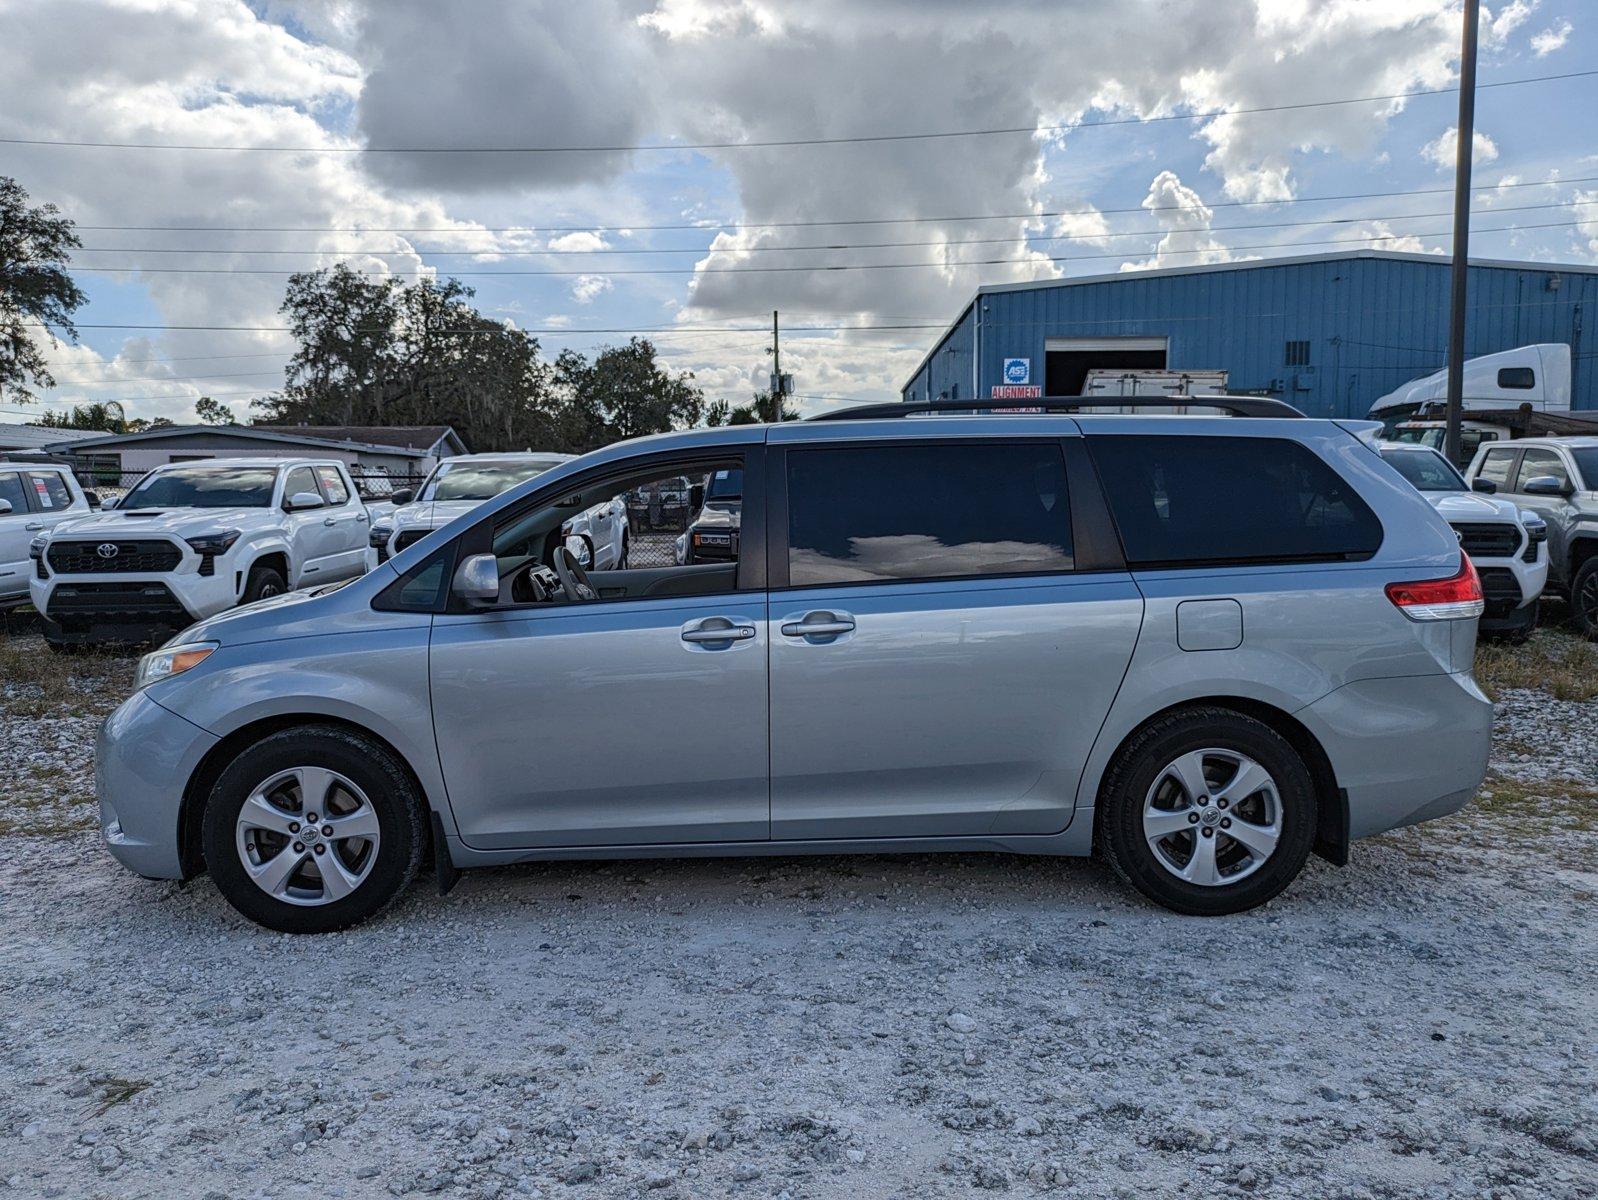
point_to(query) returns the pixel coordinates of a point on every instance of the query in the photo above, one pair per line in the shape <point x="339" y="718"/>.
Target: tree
<point x="625" y="393"/>
<point x="100" y="417"/>
<point x="760" y="408"/>
<point x="213" y="412"/>
<point x="35" y="288"/>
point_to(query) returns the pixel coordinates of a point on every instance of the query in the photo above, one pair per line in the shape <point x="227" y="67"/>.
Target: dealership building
<point x="1328" y="333"/>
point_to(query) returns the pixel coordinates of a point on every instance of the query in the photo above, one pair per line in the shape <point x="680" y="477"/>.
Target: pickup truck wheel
<point x="1207" y="812"/>
<point x="261" y="583"/>
<point x="1584" y="598"/>
<point x="313" y="829"/>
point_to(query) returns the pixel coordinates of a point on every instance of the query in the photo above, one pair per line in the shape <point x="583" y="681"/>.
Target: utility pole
<point x="776" y="370"/>
<point x="1462" y="165"/>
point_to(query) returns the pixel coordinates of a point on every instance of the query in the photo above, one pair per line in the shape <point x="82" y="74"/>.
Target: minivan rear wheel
<point x="1207" y="812"/>
<point x="313" y="829"/>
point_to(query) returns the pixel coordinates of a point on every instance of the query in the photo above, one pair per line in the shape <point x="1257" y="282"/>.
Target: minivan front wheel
<point x="1208" y="812"/>
<point x="313" y="829"/>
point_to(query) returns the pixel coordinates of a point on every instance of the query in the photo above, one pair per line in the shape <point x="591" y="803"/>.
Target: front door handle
<point x="819" y="624"/>
<point x="34" y="526"/>
<point x="329" y="521"/>
<point x="713" y="630"/>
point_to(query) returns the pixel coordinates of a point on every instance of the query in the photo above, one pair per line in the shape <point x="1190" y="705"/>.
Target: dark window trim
<point x="479" y="539"/>
<point x="1264" y="560"/>
<point x="1089" y="515"/>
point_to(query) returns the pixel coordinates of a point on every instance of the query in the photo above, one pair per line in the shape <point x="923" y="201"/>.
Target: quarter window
<point x="1535" y="463"/>
<point x="1495" y="467"/>
<point x="929" y="511"/>
<point x="1217" y="500"/>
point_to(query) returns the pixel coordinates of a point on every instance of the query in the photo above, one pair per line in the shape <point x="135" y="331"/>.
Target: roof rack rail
<point x="1235" y="406"/>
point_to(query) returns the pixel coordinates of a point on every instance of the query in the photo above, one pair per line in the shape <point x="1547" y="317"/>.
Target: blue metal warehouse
<point x="1329" y="333"/>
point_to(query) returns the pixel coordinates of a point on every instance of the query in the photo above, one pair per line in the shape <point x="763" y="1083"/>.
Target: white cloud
<point x="1586" y="214"/>
<point x="578" y="241"/>
<point x="1443" y="149"/>
<point x="586" y="289"/>
<point x="1500" y="23"/>
<point x="1187" y="240"/>
<point x="1551" y="39"/>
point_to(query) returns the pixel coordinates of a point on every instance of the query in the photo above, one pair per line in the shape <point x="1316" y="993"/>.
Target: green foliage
<point x="99" y="417"/>
<point x="35" y="288"/>
<point x="761" y="408"/>
<point x="213" y="412"/>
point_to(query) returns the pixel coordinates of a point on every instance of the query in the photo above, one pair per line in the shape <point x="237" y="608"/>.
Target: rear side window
<point x="867" y="514"/>
<point x="1216" y="500"/>
<point x="51" y="490"/>
<point x="1495" y="467"/>
<point x="1516" y="377"/>
<point x="332" y="485"/>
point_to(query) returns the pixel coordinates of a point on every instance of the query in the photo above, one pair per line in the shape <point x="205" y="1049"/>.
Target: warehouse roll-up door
<point x="1068" y="360"/>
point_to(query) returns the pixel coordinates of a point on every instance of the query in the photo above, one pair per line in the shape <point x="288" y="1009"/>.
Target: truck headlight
<point x="36" y="547"/>
<point x="213" y="543"/>
<point x="170" y="661"/>
<point x="379" y="535"/>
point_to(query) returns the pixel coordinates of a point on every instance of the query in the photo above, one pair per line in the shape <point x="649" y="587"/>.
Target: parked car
<point x="456" y="486"/>
<point x="192" y="539"/>
<point x="34" y="499"/>
<point x="717" y="504"/>
<point x="1507" y="544"/>
<point x="1201" y="647"/>
<point x="1557" y="478"/>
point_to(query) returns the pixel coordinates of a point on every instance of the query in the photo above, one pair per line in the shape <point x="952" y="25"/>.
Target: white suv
<point x="34" y="498"/>
<point x="192" y="539"/>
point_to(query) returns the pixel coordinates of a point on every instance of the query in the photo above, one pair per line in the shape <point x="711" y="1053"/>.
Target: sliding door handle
<point x="819" y="624"/>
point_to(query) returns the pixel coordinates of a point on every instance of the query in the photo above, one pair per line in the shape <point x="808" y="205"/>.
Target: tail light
<point x="1456" y="598"/>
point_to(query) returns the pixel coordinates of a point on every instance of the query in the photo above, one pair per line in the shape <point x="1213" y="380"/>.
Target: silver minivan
<point x="1201" y="647"/>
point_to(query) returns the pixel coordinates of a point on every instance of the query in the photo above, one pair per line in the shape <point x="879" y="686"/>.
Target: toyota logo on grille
<point x="106" y="549"/>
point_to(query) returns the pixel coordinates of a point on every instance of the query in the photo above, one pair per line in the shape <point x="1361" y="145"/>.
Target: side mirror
<point x="1544" y="485"/>
<point x="92" y="497"/>
<point x="111" y="503"/>
<point x="696" y="496"/>
<point x="301" y="500"/>
<point x="1486" y="486"/>
<point x="477" y="580"/>
<point x="5" y="507"/>
<point x="402" y="496"/>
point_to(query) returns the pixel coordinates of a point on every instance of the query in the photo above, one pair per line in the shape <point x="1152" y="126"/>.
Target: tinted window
<point x="1181" y="500"/>
<point x="11" y="489"/>
<point x="300" y="480"/>
<point x="1426" y="469"/>
<point x="1536" y="463"/>
<point x="1517" y="377"/>
<point x="1587" y="463"/>
<point x="726" y="484"/>
<point x="332" y="485"/>
<point x="50" y="490"/>
<point x="1495" y="466"/>
<point x="204" y="487"/>
<point x="859" y="514"/>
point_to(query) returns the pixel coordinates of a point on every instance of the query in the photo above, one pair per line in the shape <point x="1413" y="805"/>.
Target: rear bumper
<point x="1404" y="750"/>
<point x="143" y="758"/>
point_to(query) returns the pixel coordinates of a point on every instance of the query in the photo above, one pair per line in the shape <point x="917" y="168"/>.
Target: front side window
<point x="1535" y="464"/>
<point x="11" y="490"/>
<point x="864" y="514"/>
<point x="1181" y="501"/>
<point x="1495" y="467"/>
<point x="1427" y="470"/>
<point x="301" y="481"/>
<point x="205" y="487"/>
<point x="332" y="485"/>
<point x="50" y="489"/>
<point x="480" y="480"/>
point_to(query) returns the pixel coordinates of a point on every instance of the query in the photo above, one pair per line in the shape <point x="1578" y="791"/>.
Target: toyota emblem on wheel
<point x="106" y="549"/>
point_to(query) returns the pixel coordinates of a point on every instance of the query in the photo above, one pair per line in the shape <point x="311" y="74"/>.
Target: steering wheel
<point x="573" y="579"/>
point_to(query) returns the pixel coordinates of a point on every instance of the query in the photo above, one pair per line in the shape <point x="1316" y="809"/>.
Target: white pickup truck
<point x="192" y="539"/>
<point x="34" y="498"/>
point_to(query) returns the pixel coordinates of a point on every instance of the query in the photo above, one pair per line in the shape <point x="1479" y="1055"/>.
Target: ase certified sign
<point x="1017" y="371"/>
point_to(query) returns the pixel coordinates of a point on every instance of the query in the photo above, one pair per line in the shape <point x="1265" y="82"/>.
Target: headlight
<point x="379" y="535"/>
<point x="36" y="547"/>
<point x="213" y="543"/>
<point x="170" y="661"/>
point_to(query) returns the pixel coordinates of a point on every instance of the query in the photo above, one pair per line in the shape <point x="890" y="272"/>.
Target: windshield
<point x="726" y="484"/>
<point x="1587" y="463"/>
<point x="204" y="487"/>
<point x="480" y="481"/>
<point x="1427" y="470"/>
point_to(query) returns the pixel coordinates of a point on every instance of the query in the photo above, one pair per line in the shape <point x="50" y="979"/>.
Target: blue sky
<point x="344" y="73"/>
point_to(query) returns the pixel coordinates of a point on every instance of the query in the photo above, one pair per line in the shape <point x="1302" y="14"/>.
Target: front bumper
<point x="90" y="608"/>
<point x="1405" y="750"/>
<point x="143" y="758"/>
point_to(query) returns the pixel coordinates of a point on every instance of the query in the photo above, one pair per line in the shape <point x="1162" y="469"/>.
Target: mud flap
<point x="447" y="872"/>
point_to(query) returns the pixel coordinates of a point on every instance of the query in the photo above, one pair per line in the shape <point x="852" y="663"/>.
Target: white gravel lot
<point x="1419" y="1024"/>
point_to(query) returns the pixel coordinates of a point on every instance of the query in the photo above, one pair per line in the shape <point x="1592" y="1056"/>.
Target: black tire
<point x="1139" y="766"/>
<point x="1584" y="598"/>
<point x="401" y="814"/>
<point x="261" y="583"/>
<point x="626" y="551"/>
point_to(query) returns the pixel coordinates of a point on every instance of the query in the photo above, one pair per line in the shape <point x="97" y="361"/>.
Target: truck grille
<point x="123" y="557"/>
<point x="128" y="601"/>
<point x="1488" y="540"/>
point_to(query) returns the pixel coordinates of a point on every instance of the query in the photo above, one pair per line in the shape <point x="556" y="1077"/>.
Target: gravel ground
<point x="1420" y="1023"/>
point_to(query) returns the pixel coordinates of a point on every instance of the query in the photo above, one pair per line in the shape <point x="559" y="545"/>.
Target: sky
<point x="640" y="198"/>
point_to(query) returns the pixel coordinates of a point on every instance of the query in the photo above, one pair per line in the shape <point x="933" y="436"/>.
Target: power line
<point x="551" y="330"/>
<point x="1030" y="130"/>
<point x="810" y="224"/>
<point x="1054" y="237"/>
<point x="826" y="267"/>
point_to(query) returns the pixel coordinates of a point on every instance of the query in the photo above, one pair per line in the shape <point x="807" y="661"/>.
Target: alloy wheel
<point x="1587" y="599"/>
<point x="307" y="836"/>
<point x="1212" y="817"/>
